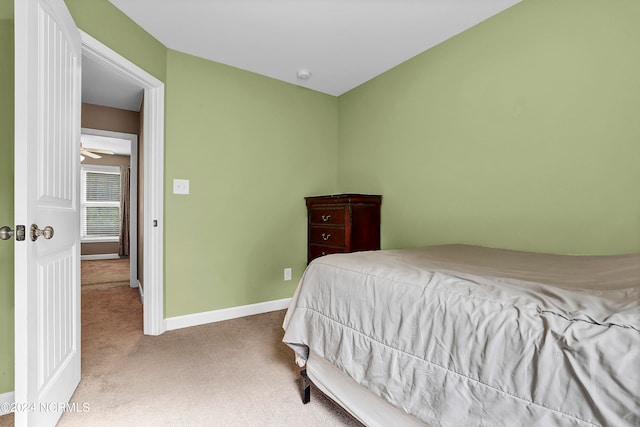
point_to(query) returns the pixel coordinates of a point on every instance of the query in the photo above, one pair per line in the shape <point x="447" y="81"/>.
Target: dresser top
<point x="344" y="198"/>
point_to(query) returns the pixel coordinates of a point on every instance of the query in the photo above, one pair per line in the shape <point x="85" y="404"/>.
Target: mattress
<point x="462" y="335"/>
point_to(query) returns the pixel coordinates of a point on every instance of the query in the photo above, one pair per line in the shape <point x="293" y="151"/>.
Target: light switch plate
<point x="180" y="186"/>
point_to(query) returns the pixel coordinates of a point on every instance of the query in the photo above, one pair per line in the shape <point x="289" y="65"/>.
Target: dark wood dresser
<point x="341" y="223"/>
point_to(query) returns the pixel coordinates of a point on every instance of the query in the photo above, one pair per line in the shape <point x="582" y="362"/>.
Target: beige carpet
<point x="231" y="373"/>
<point x="107" y="271"/>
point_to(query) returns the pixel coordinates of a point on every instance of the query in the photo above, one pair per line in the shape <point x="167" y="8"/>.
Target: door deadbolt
<point x="6" y="232"/>
<point x="46" y="232"/>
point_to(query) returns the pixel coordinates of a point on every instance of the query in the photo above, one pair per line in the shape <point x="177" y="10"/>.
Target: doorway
<point x="152" y="176"/>
<point x="115" y="153"/>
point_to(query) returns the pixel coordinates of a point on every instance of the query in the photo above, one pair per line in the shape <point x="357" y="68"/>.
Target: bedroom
<point x="519" y="133"/>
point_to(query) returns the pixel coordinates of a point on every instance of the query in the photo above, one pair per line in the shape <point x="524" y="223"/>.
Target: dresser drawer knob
<point x="326" y="236"/>
<point x="326" y="218"/>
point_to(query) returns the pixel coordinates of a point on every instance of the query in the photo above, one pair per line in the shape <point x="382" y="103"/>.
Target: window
<point x="100" y="203"/>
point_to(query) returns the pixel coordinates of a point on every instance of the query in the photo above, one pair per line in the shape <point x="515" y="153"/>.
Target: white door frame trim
<point x="153" y="161"/>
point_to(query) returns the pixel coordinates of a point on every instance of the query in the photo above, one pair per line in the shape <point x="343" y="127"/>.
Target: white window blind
<point x="100" y="188"/>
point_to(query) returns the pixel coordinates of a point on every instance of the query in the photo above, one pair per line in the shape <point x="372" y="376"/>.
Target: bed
<point x="459" y="335"/>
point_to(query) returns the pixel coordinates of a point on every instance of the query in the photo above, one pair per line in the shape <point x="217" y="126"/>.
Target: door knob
<point x="6" y="232"/>
<point x="46" y="232"/>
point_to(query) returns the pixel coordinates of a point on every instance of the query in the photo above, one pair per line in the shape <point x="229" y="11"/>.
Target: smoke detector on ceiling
<point x="304" y="74"/>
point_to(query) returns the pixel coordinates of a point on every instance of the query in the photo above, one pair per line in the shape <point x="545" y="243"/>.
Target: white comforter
<point x="467" y="336"/>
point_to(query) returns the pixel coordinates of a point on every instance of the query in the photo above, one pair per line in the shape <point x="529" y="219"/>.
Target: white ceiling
<point x="101" y="86"/>
<point x="343" y="43"/>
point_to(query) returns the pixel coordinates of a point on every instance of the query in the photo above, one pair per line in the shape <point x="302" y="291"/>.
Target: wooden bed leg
<point x="306" y="387"/>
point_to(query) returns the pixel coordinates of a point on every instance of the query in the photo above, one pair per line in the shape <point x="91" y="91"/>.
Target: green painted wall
<point x="522" y="132"/>
<point x="6" y="196"/>
<point x="252" y="148"/>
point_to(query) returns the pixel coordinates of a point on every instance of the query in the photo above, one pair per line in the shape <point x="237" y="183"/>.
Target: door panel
<point x="47" y="271"/>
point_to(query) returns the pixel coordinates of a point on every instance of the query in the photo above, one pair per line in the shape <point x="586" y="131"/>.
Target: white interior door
<point x="47" y="271"/>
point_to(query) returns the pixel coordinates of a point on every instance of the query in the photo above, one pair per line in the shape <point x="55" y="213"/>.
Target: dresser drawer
<point x="330" y="236"/>
<point x="329" y="215"/>
<point x="316" y="251"/>
<point x="342" y="223"/>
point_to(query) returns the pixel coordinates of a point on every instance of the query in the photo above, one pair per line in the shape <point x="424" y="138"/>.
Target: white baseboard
<point x="6" y="398"/>
<point x="134" y="284"/>
<point x="196" y="319"/>
<point x="99" y="256"/>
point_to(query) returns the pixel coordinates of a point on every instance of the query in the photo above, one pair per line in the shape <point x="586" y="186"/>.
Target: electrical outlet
<point x="287" y="274"/>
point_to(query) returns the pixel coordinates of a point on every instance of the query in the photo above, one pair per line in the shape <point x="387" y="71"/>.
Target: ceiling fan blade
<point x="89" y="154"/>
<point x="97" y="150"/>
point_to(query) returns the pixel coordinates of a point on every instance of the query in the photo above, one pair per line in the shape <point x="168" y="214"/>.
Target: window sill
<point x="99" y="240"/>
